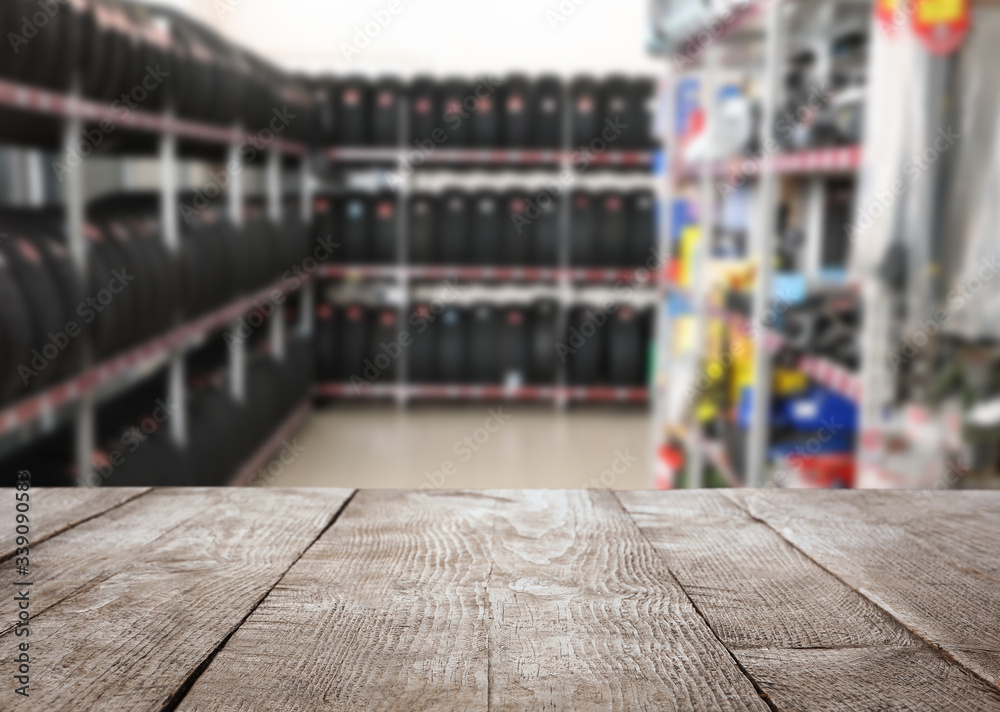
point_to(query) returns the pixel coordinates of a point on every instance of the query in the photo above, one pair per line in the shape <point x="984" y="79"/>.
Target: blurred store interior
<point x="562" y="244"/>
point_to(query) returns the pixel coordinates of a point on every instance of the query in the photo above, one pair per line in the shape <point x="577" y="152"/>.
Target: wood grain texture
<point x="243" y="600"/>
<point x="587" y="617"/>
<point x="753" y="587"/>
<point x="54" y="510"/>
<point x="943" y="599"/>
<point x="131" y="641"/>
<point x="807" y="639"/>
<point x="966" y="526"/>
<point x="103" y="546"/>
<point x="476" y="601"/>
<point x="963" y="524"/>
<point x="908" y="679"/>
<point x="387" y="611"/>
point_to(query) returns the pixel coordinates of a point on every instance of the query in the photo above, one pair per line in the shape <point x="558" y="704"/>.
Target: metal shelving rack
<point x="562" y="277"/>
<point x="38" y="413"/>
<point x="813" y="166"/>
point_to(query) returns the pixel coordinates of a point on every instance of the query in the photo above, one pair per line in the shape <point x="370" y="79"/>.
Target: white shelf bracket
<point x="237" y="347"/>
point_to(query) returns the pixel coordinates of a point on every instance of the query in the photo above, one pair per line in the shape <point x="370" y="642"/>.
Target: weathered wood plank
<point x="964" y="524"/>
<point x="943" y="599"/>
<point x="132" y="641"/>
<point x="103" y="546"/>
<point x="475" y="601"/>
<point x="909" y="679"/>
<point x="753" y="587"/>
<point x="587" y="617"/>
<point x="515" y="600"/>
<point x="54" y="510"/>
<point x="786" y="619"/>
<point x="387" y="611"/>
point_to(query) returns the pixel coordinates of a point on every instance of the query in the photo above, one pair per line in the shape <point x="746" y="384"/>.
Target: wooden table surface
<point x="200" y="600"/>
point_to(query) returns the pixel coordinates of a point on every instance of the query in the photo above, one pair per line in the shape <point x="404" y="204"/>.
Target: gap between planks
<point x="178" y="697"/>
<point x="746" y="673"/>
<point x="663" y="520"/>
<point x="546" y="555"/>
<point x="937" y="648"/>
<point x="125" y="495"/>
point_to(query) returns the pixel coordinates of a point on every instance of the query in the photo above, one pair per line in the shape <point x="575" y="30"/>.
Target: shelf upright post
<point x="75" y="211"/>
<point x="35" y="170"/>
<point x="662" y="333"/>
<point x="176" y="380"/>
<point x="703" y="250"/>
<point x="756" y="467"/>
<point x="84" y="425"/>
<point x="307" y="298"/>
<point x="566" y="167"/>
<point x="237" y="347"/>
<point x="84" y="439"/>
<point x="276" y="324"/>
<point x="815" y="208"/>
<point x="881" y="325"/>
<point x="402" y="243"/>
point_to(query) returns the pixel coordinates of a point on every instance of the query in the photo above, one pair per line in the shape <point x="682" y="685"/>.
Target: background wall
<point x="439" y="36"/>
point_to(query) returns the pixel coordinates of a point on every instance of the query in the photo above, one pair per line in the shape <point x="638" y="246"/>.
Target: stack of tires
<point x="612" y="229"/>
<point x="45" y="316"/>
<point x="608" y="346"/>
<point x="490" y="228"/>
<point x="617" y="111"/>
<point x="364" y="226"/>
<point x="140" y="57"/>
<point x="135" y="289"/>
<point x="49" y="459"/>
<point x="356" y="112"/>
<point x="223" y="433"/>
<point x="487" y="112"/>
<point x="133" y="277"/>
<point x="134" y="446"/>
<point x="146" y="57"/>
<point x="483" y="343"/>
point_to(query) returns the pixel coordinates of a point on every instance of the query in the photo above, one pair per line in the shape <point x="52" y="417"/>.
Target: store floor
<point x="382" y="446"/>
